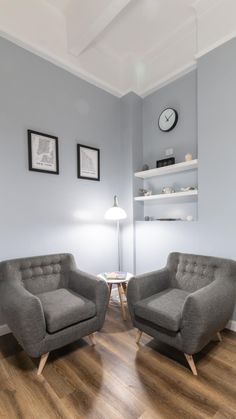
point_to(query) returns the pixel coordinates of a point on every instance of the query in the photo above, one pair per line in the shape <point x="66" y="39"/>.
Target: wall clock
<point x="168" y="119"/>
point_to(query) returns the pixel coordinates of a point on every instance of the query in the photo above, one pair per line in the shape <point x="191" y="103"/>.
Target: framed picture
<point x="165" y="162"/>
<point x="43" y="152"/>
<point x="88" y="160"/>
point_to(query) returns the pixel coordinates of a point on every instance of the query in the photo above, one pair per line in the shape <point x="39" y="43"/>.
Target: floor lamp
<point x="116" y="213"/>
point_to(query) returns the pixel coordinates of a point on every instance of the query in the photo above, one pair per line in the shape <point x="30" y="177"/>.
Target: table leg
<point x="110" y="288"/>
<point x="124" y="287"/>
<point x="121" y="301"/>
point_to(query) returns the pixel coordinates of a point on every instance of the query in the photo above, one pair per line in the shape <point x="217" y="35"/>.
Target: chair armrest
<point x="206" y="312"/>
<point x="145" y="285"/>
<point x="90" y="287"/>
<point x="23" y="313"/>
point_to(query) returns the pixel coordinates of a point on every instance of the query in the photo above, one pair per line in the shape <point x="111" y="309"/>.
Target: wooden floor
<point x="116" y="379"/>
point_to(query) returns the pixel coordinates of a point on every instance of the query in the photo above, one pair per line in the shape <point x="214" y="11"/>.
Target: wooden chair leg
<point x="42" y="363"/>
<point x="191" y="363"/>
<point x="121" y="301"/>
<point x="217" y="337"/>
<point x="138" y="336"/>
<point x="92" y="339"/>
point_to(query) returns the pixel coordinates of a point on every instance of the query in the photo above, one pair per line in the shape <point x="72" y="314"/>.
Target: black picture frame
<point x="93" y="157"/>
<point x="35" y="164"/>
<point x="165" y="162"/>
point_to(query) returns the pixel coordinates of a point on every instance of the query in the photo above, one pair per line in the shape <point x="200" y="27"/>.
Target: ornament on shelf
<point x="148" y="218"/>
<point x="188" y="157"/>
<point x="145" y="167"/>
<point x="165" y="162"/>
<point x="188" y="188"/>
<point x="168" y="190"/>
<point x="145" y="192"/>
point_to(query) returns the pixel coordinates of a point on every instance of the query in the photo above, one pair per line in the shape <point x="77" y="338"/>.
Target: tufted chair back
<point x="192" y="272"/>
<point x="39" y="274"/>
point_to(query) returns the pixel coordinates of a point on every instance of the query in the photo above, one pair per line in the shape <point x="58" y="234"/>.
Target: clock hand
<point x="166" y="118"/>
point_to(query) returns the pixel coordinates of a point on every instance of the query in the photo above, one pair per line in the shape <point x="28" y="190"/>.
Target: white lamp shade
<point x="115" y="213"/>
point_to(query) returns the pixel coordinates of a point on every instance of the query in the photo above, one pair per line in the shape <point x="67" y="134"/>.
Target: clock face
<point x="168" y="119"/>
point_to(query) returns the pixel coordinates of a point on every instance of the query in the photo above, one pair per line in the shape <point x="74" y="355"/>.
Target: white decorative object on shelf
<point x="174" y="168"/>
<point x="188" y="188"/>
<point x="192" y="193"/>
<point x="188" y="157"/>
<point x="145" y="192"/>
<point x="168" y="190"/>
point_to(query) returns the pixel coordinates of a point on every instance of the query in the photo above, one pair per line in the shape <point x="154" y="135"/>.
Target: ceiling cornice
<point x="170" y="78"/>
<point x="191" y="66"/>
<point x="215" y="45"/>
<point x="86" y="76"/>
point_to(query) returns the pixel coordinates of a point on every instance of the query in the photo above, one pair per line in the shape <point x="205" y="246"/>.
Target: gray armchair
<point x="48" y="303"/>
<point x="185" y="304"/>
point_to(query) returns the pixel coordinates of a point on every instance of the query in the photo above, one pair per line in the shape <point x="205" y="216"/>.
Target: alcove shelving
<point x="175" y="195"/>
<point x="167" y="170"/>
<point x="176" y="205"/>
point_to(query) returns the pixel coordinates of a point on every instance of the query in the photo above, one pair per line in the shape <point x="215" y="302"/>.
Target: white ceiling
<point x="120" y="45"/>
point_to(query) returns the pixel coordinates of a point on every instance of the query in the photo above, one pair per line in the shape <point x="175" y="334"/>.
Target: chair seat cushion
<point x="163" y="309"/>
<point x="63" y="308"/>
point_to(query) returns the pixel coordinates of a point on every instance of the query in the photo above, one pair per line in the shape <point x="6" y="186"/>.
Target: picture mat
<point x="43" y="153"/>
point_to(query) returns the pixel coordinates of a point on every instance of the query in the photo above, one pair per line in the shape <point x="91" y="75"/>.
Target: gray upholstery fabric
<point x="22" y="283"/>
<point x="163" y="309"/>
<point x="206" y="312"/>
<point x="40" y="273"/>
<point x="23" y="313"/>
<point x="63" y="307"/>
<point x="143" y="286"/>
<point x="70" y="334"/>
<point x="91" y="287"/>
<point x="192" y="272"/>
<point x="210" y="286"/>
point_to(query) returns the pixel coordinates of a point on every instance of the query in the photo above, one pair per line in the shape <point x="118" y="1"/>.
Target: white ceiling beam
<point x="87" y="19"/>
<point x="203" y="6"/>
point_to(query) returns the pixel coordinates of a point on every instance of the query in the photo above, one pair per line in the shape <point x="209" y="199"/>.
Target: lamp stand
<point x="119" y="245"/>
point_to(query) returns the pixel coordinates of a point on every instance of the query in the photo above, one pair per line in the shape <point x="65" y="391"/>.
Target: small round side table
<point x="121" y="285"/>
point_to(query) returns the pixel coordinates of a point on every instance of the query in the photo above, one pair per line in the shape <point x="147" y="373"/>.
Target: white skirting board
<point x="231" y="325"/>
<point x="4" y="329"/>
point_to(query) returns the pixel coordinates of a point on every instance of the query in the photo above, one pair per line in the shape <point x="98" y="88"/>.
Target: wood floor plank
<point x="116" y="379"/>
<point x="32" y="393"/>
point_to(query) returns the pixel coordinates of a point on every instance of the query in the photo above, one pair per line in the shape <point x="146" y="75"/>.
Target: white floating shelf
<point x="192" y="194"/>
<point x="167" y="170"/>
<point x="164" y="221"/>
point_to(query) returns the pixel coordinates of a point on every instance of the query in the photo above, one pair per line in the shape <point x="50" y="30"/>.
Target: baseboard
<point x="4" y="329"/>
<point x="231" y="325"/>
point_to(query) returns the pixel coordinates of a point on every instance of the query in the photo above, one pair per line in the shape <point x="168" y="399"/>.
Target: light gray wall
<point x="180" y="95"/>
<point x="43" y="213"/>
<point x="215" y="232"/>
<point x="131" y="133"/>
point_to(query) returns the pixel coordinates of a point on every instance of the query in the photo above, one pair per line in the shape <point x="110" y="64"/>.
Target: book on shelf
<point x="115" y="275"/>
